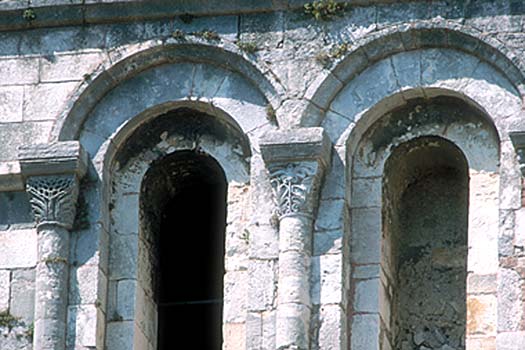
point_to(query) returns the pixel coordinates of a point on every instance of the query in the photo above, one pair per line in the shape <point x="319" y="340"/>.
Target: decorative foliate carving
<point x="292" y="183"/>
<point x="53" y="198"/>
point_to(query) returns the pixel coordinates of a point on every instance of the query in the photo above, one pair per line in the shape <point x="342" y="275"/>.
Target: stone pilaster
<point x="296" y="160"/>
<point x="518" y="140"/>
<point x="52" y="173"/>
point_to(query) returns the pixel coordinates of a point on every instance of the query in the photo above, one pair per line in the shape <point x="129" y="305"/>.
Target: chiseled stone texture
<point x="95" y="70"/>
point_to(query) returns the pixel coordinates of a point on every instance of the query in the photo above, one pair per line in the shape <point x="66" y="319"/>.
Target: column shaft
<point x="294" y="305"/>
<point x="51" y="287"/>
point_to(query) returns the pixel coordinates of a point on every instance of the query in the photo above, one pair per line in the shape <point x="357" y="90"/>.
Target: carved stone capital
<point x="293" y="184"/>
<point x="52" y="173"/>
<point x="53" y="198"/>
<point x="518" y="140"/>
<point x="296" y="160"/>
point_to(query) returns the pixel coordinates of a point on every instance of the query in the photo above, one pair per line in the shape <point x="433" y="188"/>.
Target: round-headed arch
<point x="197" y="60"/>
<point x="404" y="40"/>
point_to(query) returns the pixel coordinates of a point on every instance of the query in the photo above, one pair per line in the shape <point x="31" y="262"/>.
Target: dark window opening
<point x="190" y="263"/>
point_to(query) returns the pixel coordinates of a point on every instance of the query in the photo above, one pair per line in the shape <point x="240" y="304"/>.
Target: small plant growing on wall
<point x="335" y="53"/>
<point x="247" y="46"/>
<point x="209" y="35"/>
<point x="29" y="15"/>
<point x="178" y="34"/>
<point x="325" y="10"/>
<point x="7" y="320"/>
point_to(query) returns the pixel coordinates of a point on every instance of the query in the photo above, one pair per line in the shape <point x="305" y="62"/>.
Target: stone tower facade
<point x="362" y="164"/>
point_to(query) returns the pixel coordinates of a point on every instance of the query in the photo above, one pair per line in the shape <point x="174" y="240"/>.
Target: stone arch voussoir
<point x="434" y="34"/>
<point x="126" y="63"/>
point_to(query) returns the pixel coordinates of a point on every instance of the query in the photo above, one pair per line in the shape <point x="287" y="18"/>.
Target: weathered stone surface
<point x="5" y="289"/>
<point x="18" y="249"/>
<point x="22" y="300"/>
<point x="510" y="303"/>
<point x="125" y="68"/>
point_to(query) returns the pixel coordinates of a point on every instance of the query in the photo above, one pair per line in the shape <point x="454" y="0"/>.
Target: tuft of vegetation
<point x="247" y="46"/>
<point x="7" y="320"/>
<point x="270" y="113"/>
<point x="29" y="14"/>
<point x="325" y="10"/>
<point x="206" y="34"/>
<point x="178" y="34"/>
<point x="55" y="260"/>
<point x="339" y="51"/>
<point x="30" y="331"/>
<point x="335" y="53"/>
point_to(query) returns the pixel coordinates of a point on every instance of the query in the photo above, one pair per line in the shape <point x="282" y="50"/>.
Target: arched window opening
<point x="184" y="208"/>
<point x="425" y="221"/>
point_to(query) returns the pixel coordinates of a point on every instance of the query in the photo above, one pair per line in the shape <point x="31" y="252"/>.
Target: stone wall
<point x="314" y="276"/>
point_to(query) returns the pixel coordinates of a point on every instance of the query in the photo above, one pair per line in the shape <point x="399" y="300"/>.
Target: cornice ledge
<point x="58" y="158"/>
<point x="296" y="145"/>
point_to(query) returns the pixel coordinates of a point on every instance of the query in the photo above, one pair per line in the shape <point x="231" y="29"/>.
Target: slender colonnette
<point x="296" y="160"/>
<point x="52" y="173"/>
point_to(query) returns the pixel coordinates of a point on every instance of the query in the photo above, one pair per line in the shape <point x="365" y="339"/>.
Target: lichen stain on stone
<point x="475" y="313"/>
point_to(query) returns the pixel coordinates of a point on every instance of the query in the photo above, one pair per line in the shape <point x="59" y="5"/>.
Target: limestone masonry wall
<point x="305" y="109"/>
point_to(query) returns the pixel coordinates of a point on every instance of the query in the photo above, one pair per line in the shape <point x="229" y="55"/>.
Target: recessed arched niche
<point x="425" y="224"/>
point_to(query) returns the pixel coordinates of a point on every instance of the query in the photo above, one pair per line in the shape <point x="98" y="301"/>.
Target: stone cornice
<point x="66" y="157"/>
<point x="305" y="144"/>
<point x="57" y="13"/>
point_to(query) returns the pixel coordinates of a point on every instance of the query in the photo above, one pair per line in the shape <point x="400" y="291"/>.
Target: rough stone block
<point x="46" y="101"/>
<point x="331" y="215"/>
<point x="123" y="258"/>
<point x="82" y="326"/>
<point x="510" y="304"/>
<point x="366" y="297"/>
<point x="268" y="330"/>
<point x="366" y="235"/>
<point x="126" y="291"/>
<point x="125" y="214"/>
<point x="19" y="71"/>
<point x="11" y="101"/>
<point x="481" y="315"/>
<point x="120" y="335"/>
<point x="481" y="284"/>
<point x="328" y="242"/>
<point x="510" y="341"/>
<point x="235" y="296"/>
<point x="15" y="208"/>
<point x="22" y="303"/>
<point x="326" y="279"/>
<point x="365" y="332"/>
<point x="18" y="249"/>
<point x="83" y="284"/>
<point x="13" y="135"/>
<point x="261" y="289"/>
<point x="69" y="67"/>
<point x="254" y="326"/>
<point x="366" y="271"/>
<point x="366" y="192"/>
<point x="332" y="328"/>
<point x="235" y="336"/>
<point x="5" y="288"/>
